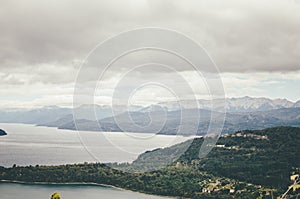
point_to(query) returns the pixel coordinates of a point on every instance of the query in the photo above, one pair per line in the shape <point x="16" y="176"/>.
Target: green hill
<point x="264" y="157"/>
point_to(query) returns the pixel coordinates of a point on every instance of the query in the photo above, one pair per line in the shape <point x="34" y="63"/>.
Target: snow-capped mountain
<point x="52" y="116"/>
<point x="297" y="104"/>
<point x="153" y="108"/>
<point x="243" y="104"/>
<point x="249" y="104"/>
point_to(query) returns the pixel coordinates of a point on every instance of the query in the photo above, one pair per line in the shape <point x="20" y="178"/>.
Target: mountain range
<point x="165" y="117"/>
<point x="169" y="123"/>
<point x="243" y="104"/>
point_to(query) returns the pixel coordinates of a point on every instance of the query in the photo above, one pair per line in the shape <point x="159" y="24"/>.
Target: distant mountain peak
<point x="236" y="104"/>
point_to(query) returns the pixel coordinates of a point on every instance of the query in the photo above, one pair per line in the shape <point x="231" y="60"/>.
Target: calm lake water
<point x="19" y="191"/>
<point x="31" y="145"/>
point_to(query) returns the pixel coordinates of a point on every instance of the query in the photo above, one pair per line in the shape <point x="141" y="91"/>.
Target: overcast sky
<point x="254" y="43"/>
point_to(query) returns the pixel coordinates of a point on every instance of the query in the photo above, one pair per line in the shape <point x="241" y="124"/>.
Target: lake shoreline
<point x="78" y="183"/>
<point x="23" y="140"/>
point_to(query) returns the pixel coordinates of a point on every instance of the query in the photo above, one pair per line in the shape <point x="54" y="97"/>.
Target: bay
<point x="19" y="191"/>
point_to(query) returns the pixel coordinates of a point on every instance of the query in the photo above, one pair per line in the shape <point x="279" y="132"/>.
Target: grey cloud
<point x="45" y="74"/>
<point x="239" y="35"/>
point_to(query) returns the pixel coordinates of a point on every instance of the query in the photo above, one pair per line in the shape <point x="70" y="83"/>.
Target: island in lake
<point x="2" y="132"/>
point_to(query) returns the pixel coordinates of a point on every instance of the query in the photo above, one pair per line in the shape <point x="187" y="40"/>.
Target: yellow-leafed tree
<point x="55" y="196"/>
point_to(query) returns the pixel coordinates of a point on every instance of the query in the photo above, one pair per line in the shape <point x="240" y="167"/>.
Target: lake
<point x="19" y="191"/>
<point x="28" y="144"/>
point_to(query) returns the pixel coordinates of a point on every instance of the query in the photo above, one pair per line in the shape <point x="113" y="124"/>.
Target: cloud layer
<point x="43" y="42"/>
<point x="239" y="35"/>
